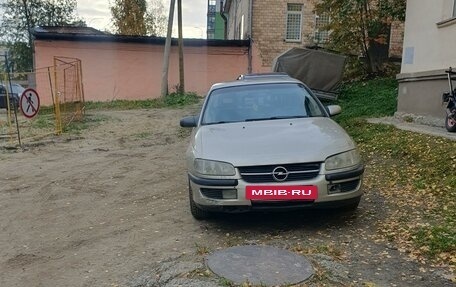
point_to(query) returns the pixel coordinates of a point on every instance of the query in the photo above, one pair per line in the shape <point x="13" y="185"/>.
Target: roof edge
<point x="136" y="39"/>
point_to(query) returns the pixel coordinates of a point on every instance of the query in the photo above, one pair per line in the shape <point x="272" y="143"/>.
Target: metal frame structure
<point x="8" y="104"/>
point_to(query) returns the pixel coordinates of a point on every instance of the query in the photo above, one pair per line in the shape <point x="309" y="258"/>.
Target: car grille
<point x="264" y="173"/>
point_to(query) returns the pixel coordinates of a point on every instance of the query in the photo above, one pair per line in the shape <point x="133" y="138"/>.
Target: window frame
<point x="448" y="22"/>
<point x="317" y="30"/>
<point x="288" y="14"/>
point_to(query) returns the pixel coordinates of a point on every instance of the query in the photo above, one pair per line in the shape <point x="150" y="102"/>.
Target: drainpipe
<point x="250" y="36"/>
<point x="225" y="20"/>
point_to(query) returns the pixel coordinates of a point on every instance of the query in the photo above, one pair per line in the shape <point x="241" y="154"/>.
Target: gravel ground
<point x="109" y="208"/>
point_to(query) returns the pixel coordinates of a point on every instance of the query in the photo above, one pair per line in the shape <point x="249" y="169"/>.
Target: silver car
<point x="14" y="91"/>
<point x="265" y="142"/>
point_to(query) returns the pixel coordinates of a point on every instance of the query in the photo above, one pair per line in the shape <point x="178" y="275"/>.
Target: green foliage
<point x="21" y="56"/>
<point x="136" y="17"/>
<point x="129" y="17"/>
<point x="362" y="27"/>
<point x="177" y="99"/>
<point x="372" y="98"/>
<point x="156" y="19"/>
<point x="20" y="16"/>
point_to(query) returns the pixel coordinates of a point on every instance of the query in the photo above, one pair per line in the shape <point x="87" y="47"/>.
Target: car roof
<point x="261" y="78"/>
<point x="12" y="84"/>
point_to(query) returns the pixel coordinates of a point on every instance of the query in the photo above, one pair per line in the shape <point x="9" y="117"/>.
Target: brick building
<point x="278" y="25"/>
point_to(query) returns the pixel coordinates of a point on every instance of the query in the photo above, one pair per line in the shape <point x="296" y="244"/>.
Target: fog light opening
<point x="334" y="188"/>
<point x="229" y="194"/>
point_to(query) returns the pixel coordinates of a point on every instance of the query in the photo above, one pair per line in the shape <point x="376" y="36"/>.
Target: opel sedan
<point x="265" y="142"/>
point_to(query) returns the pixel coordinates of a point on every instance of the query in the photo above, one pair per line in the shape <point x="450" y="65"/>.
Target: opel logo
<point x="280" y="173"/>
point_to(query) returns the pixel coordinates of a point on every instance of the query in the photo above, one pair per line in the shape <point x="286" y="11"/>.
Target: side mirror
<point x="189" y="122"/>
<point x="334" y="110"/>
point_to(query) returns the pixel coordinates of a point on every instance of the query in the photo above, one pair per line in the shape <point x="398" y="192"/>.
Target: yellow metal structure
<point x="64" y="78"/>
<point x="68" y="92"/>
<point x="8" y="109"/>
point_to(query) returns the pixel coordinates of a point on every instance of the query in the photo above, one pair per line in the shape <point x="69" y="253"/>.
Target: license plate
<point x="283" y="192"/>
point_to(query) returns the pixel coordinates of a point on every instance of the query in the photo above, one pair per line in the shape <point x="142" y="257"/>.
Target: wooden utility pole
<point x="164" y="84"/>
<point x="181" y="48"/>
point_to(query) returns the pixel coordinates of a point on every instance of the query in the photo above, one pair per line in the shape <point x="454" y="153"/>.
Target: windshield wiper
<point x="275" y="118"/>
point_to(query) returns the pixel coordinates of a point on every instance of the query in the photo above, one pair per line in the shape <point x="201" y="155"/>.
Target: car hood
<point x="271" y="141"/>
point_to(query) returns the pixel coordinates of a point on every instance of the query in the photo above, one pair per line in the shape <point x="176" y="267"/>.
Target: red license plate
<point x="283" y="192"/>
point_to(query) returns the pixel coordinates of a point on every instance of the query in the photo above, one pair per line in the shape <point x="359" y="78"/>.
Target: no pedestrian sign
<point x="29" y="103"/>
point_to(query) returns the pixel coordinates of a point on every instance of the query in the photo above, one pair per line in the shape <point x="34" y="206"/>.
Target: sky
<point x="97" y="15"/>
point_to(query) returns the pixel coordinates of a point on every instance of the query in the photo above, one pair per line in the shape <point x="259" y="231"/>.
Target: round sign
<point x="29" y="103"/>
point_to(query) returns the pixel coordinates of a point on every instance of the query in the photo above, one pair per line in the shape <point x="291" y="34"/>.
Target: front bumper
<point x="334" y="190"/>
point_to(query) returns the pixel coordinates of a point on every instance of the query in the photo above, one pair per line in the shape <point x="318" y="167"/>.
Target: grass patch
<point x="226" y="283"/>
<point x="374" y="98"/>
<point x="76" y="127"/>
<point x="173" y="100"/>
<point x="436" y="239"/>
<point x="413" y="172"/>
<point x="43" y="121"/>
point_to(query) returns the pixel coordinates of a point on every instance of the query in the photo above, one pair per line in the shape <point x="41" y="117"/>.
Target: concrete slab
<point x="415" y="127"/>
<point x="256" y="264"/>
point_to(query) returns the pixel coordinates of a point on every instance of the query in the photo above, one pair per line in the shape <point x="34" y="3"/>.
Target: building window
<point x="321" y="31"/>
<point x="294" y="20"/>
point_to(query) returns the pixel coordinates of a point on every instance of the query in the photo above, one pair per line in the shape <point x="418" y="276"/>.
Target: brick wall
<point x="269" y="27"/>
<point x="396" y="39"/>
<point x="132" y="71"/>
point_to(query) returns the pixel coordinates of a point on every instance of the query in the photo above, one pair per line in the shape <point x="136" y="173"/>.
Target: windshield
<point x="260" y="102"/>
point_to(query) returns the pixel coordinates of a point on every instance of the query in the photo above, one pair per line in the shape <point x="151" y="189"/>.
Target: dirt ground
<point x="109" y="207"/>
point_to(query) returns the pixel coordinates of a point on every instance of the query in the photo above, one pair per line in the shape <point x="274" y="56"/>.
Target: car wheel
<point x="450" y="124"/>
<point x="197" y="213"/>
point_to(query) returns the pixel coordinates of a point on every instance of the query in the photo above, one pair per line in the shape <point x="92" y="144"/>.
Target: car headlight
<point x="212" y="167"/>
<point x="343" y="160"/>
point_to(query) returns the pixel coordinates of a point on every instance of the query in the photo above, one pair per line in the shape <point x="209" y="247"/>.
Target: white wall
<point x="426" y="45"/>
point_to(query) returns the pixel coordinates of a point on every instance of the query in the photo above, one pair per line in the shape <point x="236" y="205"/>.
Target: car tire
<point x="197" y="213"/>
<point x="450" y="124"/>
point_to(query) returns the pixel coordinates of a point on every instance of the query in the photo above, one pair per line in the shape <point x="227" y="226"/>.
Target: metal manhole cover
<point x="260" y="265"/>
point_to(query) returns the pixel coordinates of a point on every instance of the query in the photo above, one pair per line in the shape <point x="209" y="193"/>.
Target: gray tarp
<point x="320" y="71"/>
